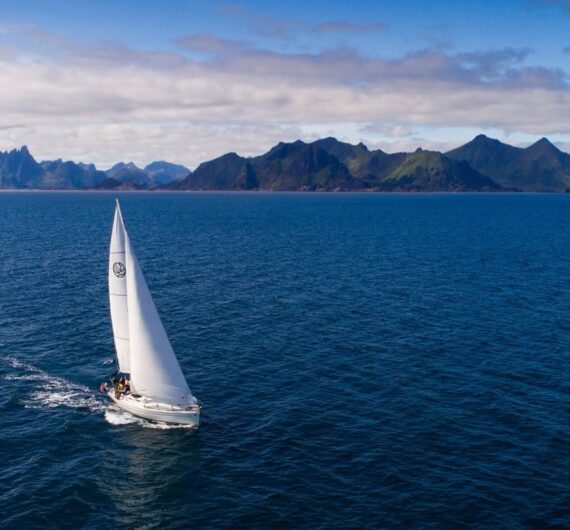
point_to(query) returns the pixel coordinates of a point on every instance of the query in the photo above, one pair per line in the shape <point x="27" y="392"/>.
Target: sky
<point x="189" y="80"/>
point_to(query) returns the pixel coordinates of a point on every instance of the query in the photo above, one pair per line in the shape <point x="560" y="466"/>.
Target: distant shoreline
<point x="307" y="192"/>
<point x="325" y="165"/>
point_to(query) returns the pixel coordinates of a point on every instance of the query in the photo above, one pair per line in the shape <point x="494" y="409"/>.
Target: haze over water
<point x="363" y="361"/>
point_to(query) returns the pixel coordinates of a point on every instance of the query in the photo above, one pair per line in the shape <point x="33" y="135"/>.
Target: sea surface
<point x="363" y="361"/>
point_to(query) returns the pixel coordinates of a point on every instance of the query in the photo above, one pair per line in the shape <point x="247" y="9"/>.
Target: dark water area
<point x="363" y="361"/>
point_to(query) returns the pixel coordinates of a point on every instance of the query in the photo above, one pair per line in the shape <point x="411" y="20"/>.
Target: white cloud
<point x="143" y="143"/>
<point x="384" y="129"/>
<point x="111" y="103"/>
<point x="408" y="145"/>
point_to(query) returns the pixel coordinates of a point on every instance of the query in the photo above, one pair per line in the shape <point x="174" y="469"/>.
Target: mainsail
<point x="118" y="292"/>
<point x="155" y="372"/>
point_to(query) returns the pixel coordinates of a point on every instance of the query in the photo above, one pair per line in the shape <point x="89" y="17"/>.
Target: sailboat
<point x="149" y="382"/>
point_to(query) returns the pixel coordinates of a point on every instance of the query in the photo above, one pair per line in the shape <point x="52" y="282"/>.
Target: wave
<point x="53" y="391"/>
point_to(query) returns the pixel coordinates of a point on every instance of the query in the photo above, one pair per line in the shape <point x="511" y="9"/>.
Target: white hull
<point x="151" y="410"/>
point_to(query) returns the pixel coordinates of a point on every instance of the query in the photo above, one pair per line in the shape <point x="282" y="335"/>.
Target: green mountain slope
<point x="369" y="167"/>
<point x="539" y="167"/>
<point x="483" y="164"/>
<point x="332" y="165"/>
<point x="432" y="171"/>
<point x="301" y="166"/>
<point x="228" y="172"/>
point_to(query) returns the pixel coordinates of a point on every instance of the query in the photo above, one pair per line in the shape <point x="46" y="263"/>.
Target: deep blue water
<point x="363" y="361"/>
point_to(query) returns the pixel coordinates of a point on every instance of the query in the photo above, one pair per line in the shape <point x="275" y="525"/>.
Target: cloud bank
<point x="212" y="95"/>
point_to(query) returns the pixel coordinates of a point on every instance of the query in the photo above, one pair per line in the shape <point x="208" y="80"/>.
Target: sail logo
<point x="119" y="270"/>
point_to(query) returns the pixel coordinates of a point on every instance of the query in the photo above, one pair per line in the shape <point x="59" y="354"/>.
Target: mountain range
<point x="19" y="170"/>
<point x="483" y="164"/>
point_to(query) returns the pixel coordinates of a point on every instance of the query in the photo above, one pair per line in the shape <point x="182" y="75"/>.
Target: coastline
<point x="308" y="192"/>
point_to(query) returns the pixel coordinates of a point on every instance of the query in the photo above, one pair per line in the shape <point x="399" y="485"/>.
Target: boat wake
<point x="44" y="390"/>
<point x="52" y="391"/>
<point x="117" y="416"/>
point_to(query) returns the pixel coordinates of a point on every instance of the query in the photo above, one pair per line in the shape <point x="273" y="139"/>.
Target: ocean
<point x="362" y="361"/>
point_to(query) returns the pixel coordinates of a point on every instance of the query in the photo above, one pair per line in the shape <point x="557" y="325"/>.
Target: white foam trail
<point x="51" y="398"/>
<point x="53" y="391"/>
<point x="25" y="377"/>
<point x="115" y="416"/>
<point x="108" y="361"/>
<point x="15" y="363"/>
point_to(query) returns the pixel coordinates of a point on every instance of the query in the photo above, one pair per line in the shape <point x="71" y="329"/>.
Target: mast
<point x="118" y="291"/>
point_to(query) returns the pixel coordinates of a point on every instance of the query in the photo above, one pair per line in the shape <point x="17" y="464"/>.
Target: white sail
<point x="155" y="372"/>
<point x="118" y="292"/>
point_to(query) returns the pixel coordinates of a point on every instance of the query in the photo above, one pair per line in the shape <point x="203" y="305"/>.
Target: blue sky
<point x="190" y="80"/>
